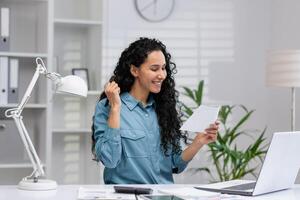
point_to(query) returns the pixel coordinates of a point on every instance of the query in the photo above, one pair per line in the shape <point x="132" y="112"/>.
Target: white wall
<point x="230" y="56"/>
<point x="285" y="31"/>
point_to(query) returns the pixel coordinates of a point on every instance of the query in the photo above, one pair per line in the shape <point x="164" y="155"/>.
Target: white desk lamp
<point x="69" y="84"/>
<point x="283" y="70"/>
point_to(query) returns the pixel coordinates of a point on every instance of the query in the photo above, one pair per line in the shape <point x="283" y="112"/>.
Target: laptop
<point x="278" y="172"/>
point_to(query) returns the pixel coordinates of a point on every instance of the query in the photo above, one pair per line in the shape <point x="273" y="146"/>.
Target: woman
<point x="136" y="125"/>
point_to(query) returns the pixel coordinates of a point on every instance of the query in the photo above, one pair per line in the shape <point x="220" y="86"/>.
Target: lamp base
<point x="41" y="185"/>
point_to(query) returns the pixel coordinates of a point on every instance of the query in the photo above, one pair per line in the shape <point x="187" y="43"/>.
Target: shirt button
<point x="146" y="115"/>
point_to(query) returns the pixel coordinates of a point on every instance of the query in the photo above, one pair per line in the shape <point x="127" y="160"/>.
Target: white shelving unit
<point x="28" y="39"/>
<point x="67" y="34"/>
<point x="77" y="43"/>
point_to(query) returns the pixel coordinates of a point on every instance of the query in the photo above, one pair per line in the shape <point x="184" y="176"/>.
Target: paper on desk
<point x="93" y="193"/>
<point x="190" y="192"/>
<point x="202" y="117"/>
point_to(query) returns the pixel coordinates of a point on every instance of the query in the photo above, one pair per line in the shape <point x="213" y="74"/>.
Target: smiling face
<point x="150" y="75"/>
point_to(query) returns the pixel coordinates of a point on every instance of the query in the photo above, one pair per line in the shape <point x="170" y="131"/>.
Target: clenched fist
<point x="112" y="91"/>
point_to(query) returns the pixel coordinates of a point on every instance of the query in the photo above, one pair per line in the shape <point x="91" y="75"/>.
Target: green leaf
<point x="224" y="112"/>
<point x="242" y="121"/>
<point x="258" y="142"/>
<point x="199" y="93"/>
<point x="189" y="93"/>
<point x="187" y="110"/>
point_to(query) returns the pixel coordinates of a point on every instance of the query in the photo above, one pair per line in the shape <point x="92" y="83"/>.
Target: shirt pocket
<point x="134" y="143"/>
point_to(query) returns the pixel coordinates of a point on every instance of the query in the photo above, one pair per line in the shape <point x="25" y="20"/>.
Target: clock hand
<point x="148" y="5"/>
<point x="155" y="7"/>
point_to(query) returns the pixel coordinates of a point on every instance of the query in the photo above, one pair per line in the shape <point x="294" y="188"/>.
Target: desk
<point x="69" y="192"/>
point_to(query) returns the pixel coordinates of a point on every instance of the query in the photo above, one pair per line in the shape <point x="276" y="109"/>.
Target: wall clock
<point x="154" y="10"/>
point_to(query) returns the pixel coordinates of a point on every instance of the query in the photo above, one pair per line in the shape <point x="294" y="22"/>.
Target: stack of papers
<point x="190" y="193"/>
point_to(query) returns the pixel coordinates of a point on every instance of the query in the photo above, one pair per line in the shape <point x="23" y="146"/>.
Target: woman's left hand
<point x="209" y="135"/>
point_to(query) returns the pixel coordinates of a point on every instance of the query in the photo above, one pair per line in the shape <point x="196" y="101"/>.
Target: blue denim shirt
<point x="132" y="154"/>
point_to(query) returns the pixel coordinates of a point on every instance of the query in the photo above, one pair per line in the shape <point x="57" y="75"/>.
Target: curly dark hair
<point x="167" y="109"/>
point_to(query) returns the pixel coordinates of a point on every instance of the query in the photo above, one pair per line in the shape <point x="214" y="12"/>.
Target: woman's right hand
<point x="112" y="91"/>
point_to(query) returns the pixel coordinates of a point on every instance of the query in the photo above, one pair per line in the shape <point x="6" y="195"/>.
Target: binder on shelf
<point x="3" y="80"/>
<point x="13" y="80"/>
<point x="4" y="29"/>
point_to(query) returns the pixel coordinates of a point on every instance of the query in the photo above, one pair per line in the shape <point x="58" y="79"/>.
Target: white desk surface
<point x="69" y="192"/>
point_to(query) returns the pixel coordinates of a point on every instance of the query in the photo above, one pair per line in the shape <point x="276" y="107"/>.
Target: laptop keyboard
<point x="245" y="186"/>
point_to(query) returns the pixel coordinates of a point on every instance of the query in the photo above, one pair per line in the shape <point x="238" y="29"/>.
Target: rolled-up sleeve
<point x="108" y="140"/>
<point x="178" y="163"/>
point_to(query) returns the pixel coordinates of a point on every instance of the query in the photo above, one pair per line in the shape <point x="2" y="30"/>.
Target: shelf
<point x="93" y="92"/>
<point x="24" y="55"/>
<point x="37" y="106"/>
<point x="89" y="93"/>
<point x="74" y="22"/>
<point x="22" y="1"/>
<point x="17" y="165"/>
<point x="82" y="130"/>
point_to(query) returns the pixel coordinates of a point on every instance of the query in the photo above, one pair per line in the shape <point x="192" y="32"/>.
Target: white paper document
<point x="190" y="193"/>
<point x="96" y="193"/>
<point x="202" y="117"/>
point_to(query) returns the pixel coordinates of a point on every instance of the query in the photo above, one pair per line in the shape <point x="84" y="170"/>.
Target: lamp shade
<point x="283" y="68"/>
<point x="72" y="85"/>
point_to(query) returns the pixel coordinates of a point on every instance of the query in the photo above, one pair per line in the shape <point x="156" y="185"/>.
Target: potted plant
<point x="230" y="162"/>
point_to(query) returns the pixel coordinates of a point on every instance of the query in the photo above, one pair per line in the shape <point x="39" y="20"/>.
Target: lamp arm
<point x="15" y="113"/>
<point x="40" y="69"/>
<point x="35" y="161"/>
